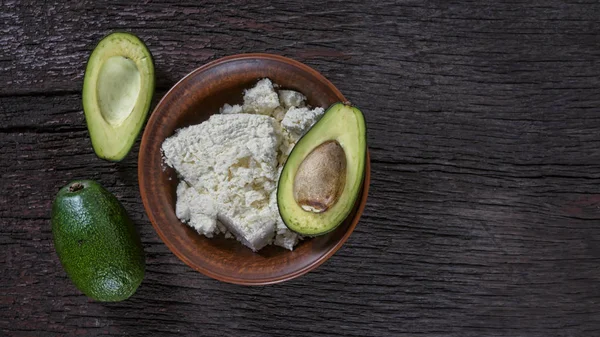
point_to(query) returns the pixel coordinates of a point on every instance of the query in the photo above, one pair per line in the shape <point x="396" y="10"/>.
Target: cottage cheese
<point x="231" y="109"/>
<point x="262" y="99"/>
<point x="298" y="120"/>
<point x="197" y="210"/>
<point x="229" y="166"/>
<point x="290" y="98"/>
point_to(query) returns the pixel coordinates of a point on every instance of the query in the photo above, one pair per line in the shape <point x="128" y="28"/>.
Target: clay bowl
<point x="191" y="101"/>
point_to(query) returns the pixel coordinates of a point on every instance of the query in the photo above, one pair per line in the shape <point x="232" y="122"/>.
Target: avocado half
<point x="322" y="177"/>
<point x="117" y="93"/>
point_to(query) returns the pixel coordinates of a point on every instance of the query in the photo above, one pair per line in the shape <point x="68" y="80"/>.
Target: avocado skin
<point x="97" y="243"/>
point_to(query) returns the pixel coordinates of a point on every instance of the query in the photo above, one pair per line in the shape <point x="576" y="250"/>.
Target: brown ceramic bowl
<point x="193" y="100"/>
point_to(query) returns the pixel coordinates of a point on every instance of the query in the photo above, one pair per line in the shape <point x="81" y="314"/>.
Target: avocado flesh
<point x="117" y="93"/>
<point x="96" y="242"/>
<point x="345" y="125"/>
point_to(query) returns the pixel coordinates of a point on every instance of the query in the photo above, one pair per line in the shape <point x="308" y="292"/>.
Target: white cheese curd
<point x="231" y="162"/>
<point x="290" y="98"/>
<point x="297" y="121"/>
<point x="231" y="109"/>
<point x="229" y="166"/>
<point x="197" y="210"/>
<point x="261" y="99"/>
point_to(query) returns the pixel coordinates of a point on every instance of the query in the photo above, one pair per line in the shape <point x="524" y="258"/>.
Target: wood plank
<point x="484" y="135"/>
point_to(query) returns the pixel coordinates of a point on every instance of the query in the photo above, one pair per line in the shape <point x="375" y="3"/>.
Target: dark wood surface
<point x="484" y="129"/>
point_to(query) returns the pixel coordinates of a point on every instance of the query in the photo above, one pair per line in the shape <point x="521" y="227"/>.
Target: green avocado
<point x="96" y="242"/>
<point x="322" y="177"/>
<point x="117" y="91"/>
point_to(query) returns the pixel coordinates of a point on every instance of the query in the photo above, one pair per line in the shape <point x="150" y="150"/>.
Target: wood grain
<point x="483" y="125"/>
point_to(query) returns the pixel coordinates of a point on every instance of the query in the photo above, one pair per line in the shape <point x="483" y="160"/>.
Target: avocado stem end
<point x="75" y="187"/>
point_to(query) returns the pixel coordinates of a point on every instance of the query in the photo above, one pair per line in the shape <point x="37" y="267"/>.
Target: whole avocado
<point x="96" y="242"/>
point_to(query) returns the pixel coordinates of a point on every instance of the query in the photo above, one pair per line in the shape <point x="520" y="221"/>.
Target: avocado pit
<point x="321" y="178"/>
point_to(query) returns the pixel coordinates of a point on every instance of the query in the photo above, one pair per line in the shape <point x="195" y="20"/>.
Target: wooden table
<point x="484" y="130"/>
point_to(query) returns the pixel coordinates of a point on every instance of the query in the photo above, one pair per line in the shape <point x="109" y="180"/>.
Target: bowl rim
<point x="227" y="278"/>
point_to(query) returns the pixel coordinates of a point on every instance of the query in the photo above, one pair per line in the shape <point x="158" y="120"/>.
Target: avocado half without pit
<point x="322" y="177"/>
<point x="117" y="93"/>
